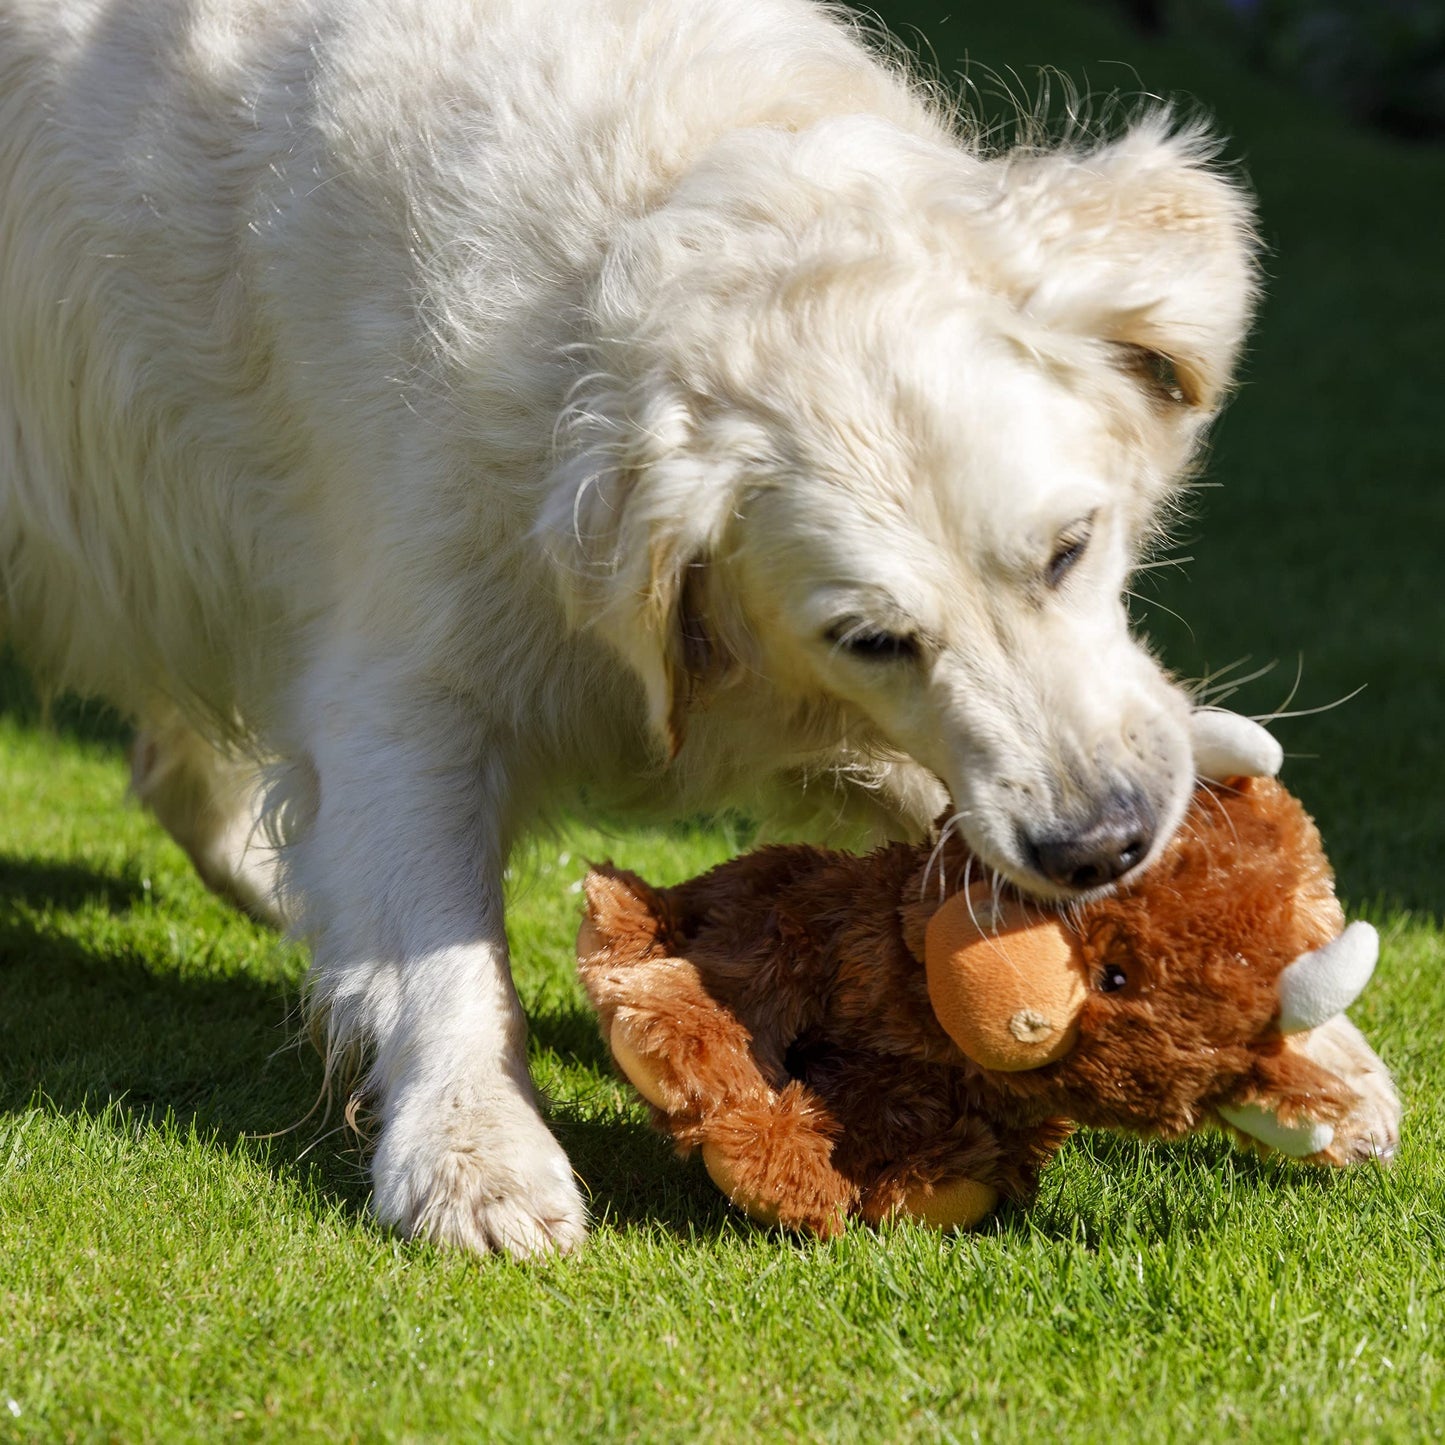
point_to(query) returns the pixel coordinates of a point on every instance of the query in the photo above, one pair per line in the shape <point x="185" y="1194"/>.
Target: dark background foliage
<point x="1379" y="61"/>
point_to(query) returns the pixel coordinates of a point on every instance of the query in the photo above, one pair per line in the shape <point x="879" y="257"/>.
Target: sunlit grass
<point x="166" y="1272"/>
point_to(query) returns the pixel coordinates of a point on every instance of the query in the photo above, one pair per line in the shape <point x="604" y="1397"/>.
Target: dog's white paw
<point x="490" y="1179"/>
<point x="1372" y="1130"/>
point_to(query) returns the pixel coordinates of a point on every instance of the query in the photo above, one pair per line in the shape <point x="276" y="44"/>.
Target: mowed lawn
<point x="168" y="1272"/>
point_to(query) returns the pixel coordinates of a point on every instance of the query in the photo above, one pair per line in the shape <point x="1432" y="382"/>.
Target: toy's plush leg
<point x="680" y="1048"/>
<point x="955" y="1179"/>
<point x="774" y="1159"/>
<point x="682" y="1051"/>
<point x="952" y="1204"/>
<point x="767" y="1149"/>
<point x="919" y="1148"/>
<point x="766" y="1142"/>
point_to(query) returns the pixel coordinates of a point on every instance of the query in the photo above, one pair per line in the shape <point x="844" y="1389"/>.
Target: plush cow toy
<point x="892" y="1035"/>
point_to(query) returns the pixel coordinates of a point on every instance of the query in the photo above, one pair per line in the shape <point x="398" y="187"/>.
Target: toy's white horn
<point x="1319" y="985"/>
<point x="1227" y="745"/>
<point x="1299" y="1141"/>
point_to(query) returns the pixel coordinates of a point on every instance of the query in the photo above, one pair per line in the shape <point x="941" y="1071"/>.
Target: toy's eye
<point x="1113" y="979"/>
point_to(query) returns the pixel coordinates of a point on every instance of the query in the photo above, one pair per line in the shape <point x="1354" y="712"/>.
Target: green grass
<point x="168" y="1273"/>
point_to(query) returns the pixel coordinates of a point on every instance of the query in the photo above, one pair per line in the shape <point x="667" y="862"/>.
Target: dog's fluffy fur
<point x="484" y="407"/>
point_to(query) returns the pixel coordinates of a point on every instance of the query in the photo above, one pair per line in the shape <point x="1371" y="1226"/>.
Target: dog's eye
<point x="1112" y="979"/>
<point x="1070" y="545"/>
<point x="1156" y="373"/>
<point x="1164" y="375"/>
<point x="871" y="644"/>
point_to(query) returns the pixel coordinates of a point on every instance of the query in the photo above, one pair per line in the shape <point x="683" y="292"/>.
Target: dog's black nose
<point x="1108" y="845"/>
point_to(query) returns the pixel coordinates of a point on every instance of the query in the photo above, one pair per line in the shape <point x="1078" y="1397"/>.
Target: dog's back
<point x="260" y="264"/>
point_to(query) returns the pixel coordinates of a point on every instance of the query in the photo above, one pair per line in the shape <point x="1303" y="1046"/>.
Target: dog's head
<point x="882" y="429"/>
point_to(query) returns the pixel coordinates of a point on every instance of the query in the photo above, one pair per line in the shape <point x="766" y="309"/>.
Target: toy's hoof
<point x="953" y="1204"/>
<point x="722" y="1173"/>
<point x="641" y="1072"/>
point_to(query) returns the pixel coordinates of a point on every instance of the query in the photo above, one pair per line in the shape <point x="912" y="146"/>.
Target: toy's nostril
<point x="1116" y="840"/>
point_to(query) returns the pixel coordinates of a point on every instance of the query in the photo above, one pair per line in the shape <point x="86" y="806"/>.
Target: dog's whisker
<point x="1178" y="563"/>
<point x="1299" y="672"/>
<point x="1270" y="717"/>
<point x="1154" y="602"/>
<point x="1209" y="796"/>
<point x="967" y="892"/>
<point x="950" y="826"/>
<point x="1215" y="686"/>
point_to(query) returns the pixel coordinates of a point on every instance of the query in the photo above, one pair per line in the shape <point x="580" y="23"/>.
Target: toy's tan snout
<point x="1006" y="983"/>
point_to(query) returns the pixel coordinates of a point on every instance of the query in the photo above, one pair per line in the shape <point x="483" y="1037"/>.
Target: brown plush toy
<point x="879" y="1036"/>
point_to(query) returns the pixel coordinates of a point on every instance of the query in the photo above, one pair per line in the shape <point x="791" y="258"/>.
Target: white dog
<point x="489" y="407"/>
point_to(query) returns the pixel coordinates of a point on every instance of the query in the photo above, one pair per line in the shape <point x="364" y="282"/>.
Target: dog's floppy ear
<point x="1139" y="242"/>
<point x="634" y="514"/>
<point x="695" y="659"/>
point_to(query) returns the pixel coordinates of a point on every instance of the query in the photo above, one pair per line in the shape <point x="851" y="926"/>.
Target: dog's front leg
<point x="399" y="873"/>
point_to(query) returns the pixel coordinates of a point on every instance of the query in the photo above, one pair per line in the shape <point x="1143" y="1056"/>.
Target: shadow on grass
<point x="80" y="719"/>
<point x="570" y="1033"/>
<point x="65" y="886"/>
<point x="83" y="1029"/>
<point x="632" y="1180"/>
<point x="1109" y="1191"/>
